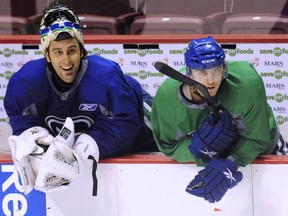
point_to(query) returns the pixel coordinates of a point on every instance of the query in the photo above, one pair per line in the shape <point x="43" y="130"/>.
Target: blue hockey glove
<point x="209" y="140"/>
<point x="214" y="180"/>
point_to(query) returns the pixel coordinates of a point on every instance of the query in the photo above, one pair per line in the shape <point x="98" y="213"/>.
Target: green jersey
<point x="242" y="93"/>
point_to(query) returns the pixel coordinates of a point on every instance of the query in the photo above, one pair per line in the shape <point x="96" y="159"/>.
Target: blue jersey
<point x="102" y="102"/>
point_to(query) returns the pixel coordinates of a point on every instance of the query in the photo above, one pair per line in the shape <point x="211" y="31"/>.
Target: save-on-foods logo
<point x="143" y="52"/>
<point x="142" y="74"/>
<point x="278" y="97"/>
<point x="281" y="119"/>
<point x="98" y="51"/>
<point x="9" y="52"/>
<point x="277" y="51"/>
<point x="234" y="52"/>
<point x="278" y="74"/>
<point x="177" y="52"/>
<point x="7" y="75"/>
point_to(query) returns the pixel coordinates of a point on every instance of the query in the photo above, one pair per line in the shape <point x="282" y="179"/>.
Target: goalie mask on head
<point x="203" y="54"/>
<point x="58" y="23"/>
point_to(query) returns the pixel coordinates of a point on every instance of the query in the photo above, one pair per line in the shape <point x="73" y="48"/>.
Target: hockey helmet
<point x="203" y="54"/>
<point x="59" y="19"/>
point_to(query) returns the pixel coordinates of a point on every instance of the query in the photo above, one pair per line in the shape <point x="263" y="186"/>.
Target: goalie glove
<point x="86" y="152"/>
<point x="210" y="140"/>
<point x="65" y="161"/>
<point x="58" y="165"/>
<point x="22" y="148"/>
<point x="214" y="180"/>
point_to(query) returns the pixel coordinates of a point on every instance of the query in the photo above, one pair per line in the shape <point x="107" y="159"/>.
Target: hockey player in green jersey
<point x="185" y="130"/>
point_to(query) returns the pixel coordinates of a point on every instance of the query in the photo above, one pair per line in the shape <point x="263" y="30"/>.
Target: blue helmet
<point x="204" y="53"/>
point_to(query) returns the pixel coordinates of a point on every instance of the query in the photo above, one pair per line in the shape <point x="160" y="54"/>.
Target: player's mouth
<point x="67" y="68"/>
<point x="210" y="88"/>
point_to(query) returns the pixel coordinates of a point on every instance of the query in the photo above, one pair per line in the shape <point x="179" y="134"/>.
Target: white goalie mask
<point x="56" y="20"/>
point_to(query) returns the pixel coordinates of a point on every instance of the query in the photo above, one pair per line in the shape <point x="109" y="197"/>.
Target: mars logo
<point x="139" y="63"/>
<point x="279" y="86"/>
<point x="177" y="63"/>
<point x="81" y="123"/>
<point x="6" y="64"/>
<point x="279" y="109"/>
<point x="274" y="63"/>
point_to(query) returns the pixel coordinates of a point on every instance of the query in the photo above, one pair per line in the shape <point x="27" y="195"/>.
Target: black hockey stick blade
<point x="171" y="72"/>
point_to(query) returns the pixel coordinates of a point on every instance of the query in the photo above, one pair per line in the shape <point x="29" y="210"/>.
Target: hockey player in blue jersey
<point x="68" y="108"/>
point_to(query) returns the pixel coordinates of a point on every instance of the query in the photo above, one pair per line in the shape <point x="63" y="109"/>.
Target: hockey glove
<point x="210" y="140"/>
<point x="24" y="150"/>
<point x="214" y="180"/>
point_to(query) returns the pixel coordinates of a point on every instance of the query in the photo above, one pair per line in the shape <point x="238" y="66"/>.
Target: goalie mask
<point x="57" y="20"/>
<point x="203" y="54"/>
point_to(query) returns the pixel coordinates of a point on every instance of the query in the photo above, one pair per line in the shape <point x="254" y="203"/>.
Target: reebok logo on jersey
<point x="88" y="107"/>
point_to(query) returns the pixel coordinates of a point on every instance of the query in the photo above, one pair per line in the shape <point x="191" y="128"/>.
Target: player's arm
<point x="256" y="118"/>
<point x="116" y="129"/>
<point x="169" y="137"/>
<point x="20" y="106"/>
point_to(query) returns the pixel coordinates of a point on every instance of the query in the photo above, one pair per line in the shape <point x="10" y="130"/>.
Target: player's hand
<point x="214" y="180"/>
<point x="22" y="148"/>
<point x="210" y="140"/>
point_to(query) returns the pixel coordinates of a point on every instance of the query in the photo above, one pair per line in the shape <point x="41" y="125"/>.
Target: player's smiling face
<point x="65" y="57"/>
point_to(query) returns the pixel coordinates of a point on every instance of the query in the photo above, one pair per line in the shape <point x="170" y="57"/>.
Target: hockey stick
<point x="171" y="72"/>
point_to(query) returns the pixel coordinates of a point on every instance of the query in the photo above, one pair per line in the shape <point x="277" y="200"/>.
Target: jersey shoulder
<point x="31" y="70"/>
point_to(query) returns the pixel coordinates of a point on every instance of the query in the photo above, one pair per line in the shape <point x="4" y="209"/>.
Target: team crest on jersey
<point x="88" y="107"/>
<point x="81" y="123"/>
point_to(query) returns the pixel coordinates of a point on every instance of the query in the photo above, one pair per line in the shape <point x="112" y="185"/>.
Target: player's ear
<point x="47" y="57"/>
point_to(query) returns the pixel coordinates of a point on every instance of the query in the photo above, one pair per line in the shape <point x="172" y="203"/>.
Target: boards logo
<point x="98" y="51"/>
<point x="278" y="97"/>
<point x="143" y="74"/>
<point x="279" y="109"/>
<point x="279" y="86"/>
<point x="14" y="202"/>
<point x="139" y="63"/>
<point x="277" y="51"/>
<point x="156" y="85"/>
<point x="234" y="52"/>
<point x="7" y="75"/>
<point x="274" y="63"/>
<point x="281" y="120"/>
<point x="8" y="52"/>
